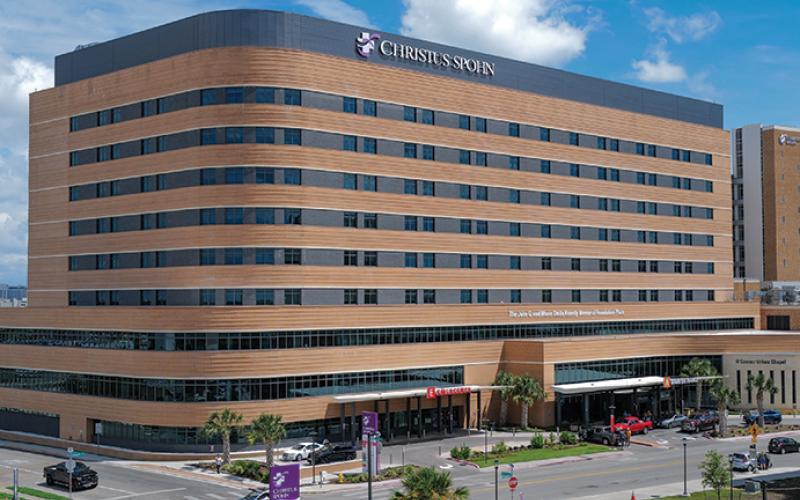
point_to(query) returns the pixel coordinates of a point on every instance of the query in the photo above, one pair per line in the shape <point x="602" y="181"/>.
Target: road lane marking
<point x="190" y="498"/>
<point x="591" y="474"/>
<point x="115" y="489"/>
<point x="158" y="492"/>
<point x="215" y="496"/>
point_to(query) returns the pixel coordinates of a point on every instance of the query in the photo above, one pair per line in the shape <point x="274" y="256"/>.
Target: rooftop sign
<point x="367" y="43"/>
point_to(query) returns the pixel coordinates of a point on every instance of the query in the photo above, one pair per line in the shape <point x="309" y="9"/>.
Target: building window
<point x="544" y="166"/>
<point x="616" y="295"/>
<point x="513" y="129"/>
<point x="547" y="296"/>
<point x="370" y="296"/>
<point x="292" y="256"/>
<point x="208" y="136"/>
<point x="429" y="296"/>
<point x="369" y="107"/>
<point x="370" y="221"/>
<point x="233" y="175"/>
<point x="483" y="296"/>
<point x="465" y="226"/>
<point x="292" y="136"/>
<point x="428" y="224"/>
<point x="161" y="297"/>
<point x="409" y="150"/>
<point x="514" y="229"/>
<point x="614" y="145"/>
<point x="615" y="235"/>
<point x="481" y="227"/>
<point x="576" y="296"/>
<point x="370" y="145"/>
<point x="466" y="296"/>
<point x="265" y="135"/>
<point x="480" y="158"/>
<point x="544" y="134"/>
<point x="603" y="265"/>
<point x="428" y="188"/>
<point x="480" y="124"/>
<point x="350" y="219"/>
<point x="349" y="104"/>
<point x="427" y="116"/>
<point x="410" y="260"/>
<point x="265" y="216"/>
<point x="292" y="216"/>
<point x="515" y="296"/>
<point x="464" y="191"/>
<point x="708" y="160"/>
<point x="463" y="122"/>
<point x="603" y="296"/>
<point x="573" y="138"/>
<point x="208" y="297"/>
<point x="370" y="183"/>
<point x="234" y="216"/>
<point x="292" y="297"/>
<point x="291" y="97"/>
<point x="349" y="143"/>
<point x="574" y="170"/>
<point x="265" y="95"/>
<point x="482" y="262"/>
<point x="481" y="193"/>
<point x="350" y="296"/>
<point x="544" y="199"/>
<point x="410" y="223"/>
<point x="409" y="114"/>
<point x="639" y="148"/>
<point x="466" y="261"/>
<point x="371" y="258"/>
<point x="411" y="296"/>
<point x="234" y="95"/>
<point x="513" y="195"/>
<point x="547" y="263"/>
<point x="428" y="152"/>
<point x="513" y="162"/>
<point x="265" y="256"/>
<point x="350" y="181"/>
<point x="601" y="143"/>
<point x="575" y="233"/>
<point x="602" y="173"/>
<point x="515" y="262"/>
<point x="686" y="155"/>
<point x="350" y="258"/>
<point x="234" y="256"/>
<point x="651" y="150"/>
<point x="463" y="157"/>
<point x="545" y="231"/>
<point x="265" y="297"/>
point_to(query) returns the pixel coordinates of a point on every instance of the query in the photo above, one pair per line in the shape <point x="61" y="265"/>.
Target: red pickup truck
<point x="635" y="424"/>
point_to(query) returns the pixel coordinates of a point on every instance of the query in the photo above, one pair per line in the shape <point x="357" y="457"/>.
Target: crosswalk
<point x="215" y="496"/>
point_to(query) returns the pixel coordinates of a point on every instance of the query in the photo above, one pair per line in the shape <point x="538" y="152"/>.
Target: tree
<point x="725" y="397"/>
<point x="715" y="472"/>
<point x="526" y="391"/>
<point x="761" y="384"/>
<point x="505" y="380"/>
<point x="429" y="484"/>
<point x="221" y="424"/>
<point x="267" y="429"/>
<point x="696" y="368"/>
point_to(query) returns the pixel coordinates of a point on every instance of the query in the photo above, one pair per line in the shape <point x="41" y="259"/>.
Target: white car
<point x="742" y="461"/>
<point x="300" y="451"/>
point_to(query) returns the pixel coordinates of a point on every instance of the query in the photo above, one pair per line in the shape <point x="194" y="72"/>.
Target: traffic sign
<point x="754" y="432"/>
<point x="512" y="483"/>
<point x="506" y="474"/>
<point x="70" y="465"/>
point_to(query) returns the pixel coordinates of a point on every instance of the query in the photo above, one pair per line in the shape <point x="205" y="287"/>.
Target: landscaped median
<point x="541" y="447"/>
<point x="31" y="493"/>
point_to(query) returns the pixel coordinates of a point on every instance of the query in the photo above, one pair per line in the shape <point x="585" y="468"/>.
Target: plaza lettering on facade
<point x="435" y="58"/>
<point x="579" y="313"/>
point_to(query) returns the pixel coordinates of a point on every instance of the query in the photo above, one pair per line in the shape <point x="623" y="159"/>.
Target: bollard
<point x="440" y="450"/>
<point x="403" y="457"/>
<point x="390" y="459"/>
<point x="514" y="432"/>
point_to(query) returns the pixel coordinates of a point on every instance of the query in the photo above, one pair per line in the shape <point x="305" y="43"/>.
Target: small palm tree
<point x="526" y="391"/>
<point x="506" y="381"/>
<point x="221" y="424"/>
<point x="697" y="368"/>
<point x="725" y="397"/>
<point x="761" y="384"/>
<point x="429" y="484"/>
<point x="267" y="429"/>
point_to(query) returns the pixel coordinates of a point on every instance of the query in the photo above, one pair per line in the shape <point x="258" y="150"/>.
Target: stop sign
<point x="512" y="483"/>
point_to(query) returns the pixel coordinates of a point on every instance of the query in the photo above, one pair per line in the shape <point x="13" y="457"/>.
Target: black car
<point x="702" y="422"/>
<point x="82" y="476"/>
<point x="336" y="453"/>
<point x="601" y="435"/>
<point x="783" y="445"/>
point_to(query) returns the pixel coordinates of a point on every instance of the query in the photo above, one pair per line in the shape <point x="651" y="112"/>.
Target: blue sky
<point x="742" y="54"/>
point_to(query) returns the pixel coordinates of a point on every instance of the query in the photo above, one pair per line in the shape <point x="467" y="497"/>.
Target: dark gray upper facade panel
<point x="280" y="29"/>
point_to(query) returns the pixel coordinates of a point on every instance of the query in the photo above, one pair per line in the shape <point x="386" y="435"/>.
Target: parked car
<point x="257" y="494"/>
<point x="743" y="461"/>
<point x="672" y="421"/>
<point x="82" y="476"/>
<point x="701" y="422"/>
<point x="333" y="453"/>
<point x="783" y="445"/>
<point x="635" y="424"/>
<point x="300" y="451"/>
<point x="770" y="417"/>
<point x="601" y="435"/>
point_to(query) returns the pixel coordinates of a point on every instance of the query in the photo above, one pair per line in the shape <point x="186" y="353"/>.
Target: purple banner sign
<point x="284" y="482"/>
<point x="369" y="422"/>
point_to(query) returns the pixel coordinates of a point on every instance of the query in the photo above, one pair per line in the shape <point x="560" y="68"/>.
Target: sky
<point x="742" y="54"/>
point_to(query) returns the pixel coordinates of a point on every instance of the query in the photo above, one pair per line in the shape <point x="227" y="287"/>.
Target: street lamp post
<point x="730" y="485"/>
<point x="313" y="435"/>
<point x="496" y="466"/>
<point x="685" y="489"/>
<point x="612" y="411"/>
<point x="485" y="445"/>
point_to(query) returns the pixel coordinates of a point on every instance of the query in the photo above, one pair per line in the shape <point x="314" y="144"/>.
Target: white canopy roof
<point x="406" y="393"/>
<point x="607" y="385"/>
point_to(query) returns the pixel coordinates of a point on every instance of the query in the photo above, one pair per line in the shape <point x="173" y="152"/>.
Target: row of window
<point x="250" y="389"/>
<point x="234" y="341"/>
<point x="371" y="258"/>
<point x="661" y="366"/>
<point x="326" y="140"/>
<point x="368" y="107"/>
<point x="293" y="176"/>
<point x="369" y="296"/>
<point x="295" y="216"/>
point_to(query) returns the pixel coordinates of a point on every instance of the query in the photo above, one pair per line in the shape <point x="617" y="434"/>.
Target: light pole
<point x="612" y="411"/>
<point x="496" y="466"/>
<point x="730" y="486"/>
<point x="313" y="435"/>
<point x="685" y="489"/>
<point x="485" y="445"/>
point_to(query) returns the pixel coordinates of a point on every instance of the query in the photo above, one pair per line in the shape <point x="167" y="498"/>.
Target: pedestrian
<point x="628" y="437"/>
<point x="218" y="463"/>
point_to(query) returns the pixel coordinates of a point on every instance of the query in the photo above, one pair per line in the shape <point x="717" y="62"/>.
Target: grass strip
<point x="530" y="455"/>
<point x="33" y="492"/>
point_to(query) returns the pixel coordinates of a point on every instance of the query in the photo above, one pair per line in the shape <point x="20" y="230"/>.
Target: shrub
<point x="461" y="452"/>
<point x="537" y="441"/>
<point x="500" y="448"/>
<point x="567" y="437"/>
<point x="250" y="469"/>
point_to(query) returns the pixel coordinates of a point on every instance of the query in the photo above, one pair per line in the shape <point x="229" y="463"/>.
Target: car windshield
<point x="253" y="495"/>
<point x="298" y="447"/>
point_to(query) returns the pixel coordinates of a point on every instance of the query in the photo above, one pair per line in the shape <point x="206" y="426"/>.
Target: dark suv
<point x="783" y="445"/>
<point x="333" y="453"/>
<point x="82" y="476"/>
<point x="702" y="422"/>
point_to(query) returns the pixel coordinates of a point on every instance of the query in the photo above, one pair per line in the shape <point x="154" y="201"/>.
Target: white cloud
<point x="536" y="31"/>
<point x="337" y="10"/>
<point x="683" y="28"/>
<point x="658" y="68"/>
<point x="701" y="88"/>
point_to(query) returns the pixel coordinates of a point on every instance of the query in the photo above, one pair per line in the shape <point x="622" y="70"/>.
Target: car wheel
<point x="605" y="441"/>
<point x="783" y="451"/>
<point x="49" y="481"/>
<point x="644" y="431"/>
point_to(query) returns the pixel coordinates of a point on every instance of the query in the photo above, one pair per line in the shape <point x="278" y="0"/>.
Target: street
<point x="117" y="481"/>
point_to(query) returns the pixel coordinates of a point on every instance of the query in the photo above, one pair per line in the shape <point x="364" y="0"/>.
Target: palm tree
<point x="267" y="429"/>
<point x="526" y="391"/>
<point x="429" y="484"/>
<point x="725" y="397"/>
<point x="761" y="384"/>
<point x="697" y="368"/>
<point x="506" y="381"/>
<point x="221" y="424"/>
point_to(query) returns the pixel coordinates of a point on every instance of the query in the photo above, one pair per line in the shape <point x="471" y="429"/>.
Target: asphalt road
<point x="117" y="481"/>
<point x="634" y="469"/>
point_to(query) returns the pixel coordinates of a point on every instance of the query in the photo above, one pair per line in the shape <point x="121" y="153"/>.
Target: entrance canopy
<point x="410" y="393"/>
<point x="622" y="384"/>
